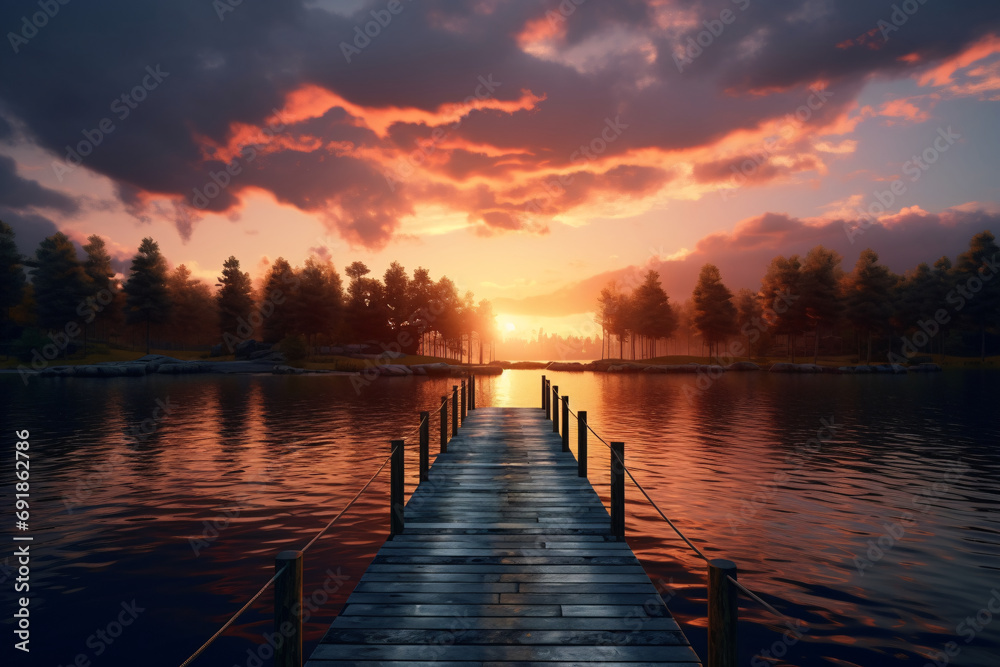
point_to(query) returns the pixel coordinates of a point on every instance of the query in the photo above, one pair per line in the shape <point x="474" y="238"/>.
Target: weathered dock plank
<point x="507" y="558"/>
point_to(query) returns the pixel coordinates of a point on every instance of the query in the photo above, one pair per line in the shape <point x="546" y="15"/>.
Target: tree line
<point x="56" y="298"/>
<point x="812" y="300"/>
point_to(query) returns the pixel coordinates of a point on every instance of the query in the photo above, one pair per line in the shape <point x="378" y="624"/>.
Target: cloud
<point x="453" y="98"/>
<point x="22" y="193"/>
<point x="902" y="240"/>
<point x="30" y="229"/>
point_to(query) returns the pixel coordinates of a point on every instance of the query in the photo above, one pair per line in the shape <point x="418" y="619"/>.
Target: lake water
<point x="864" y="506"/>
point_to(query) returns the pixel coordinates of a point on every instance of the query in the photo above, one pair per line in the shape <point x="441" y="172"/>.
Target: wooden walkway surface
<point x="507" y="558"/>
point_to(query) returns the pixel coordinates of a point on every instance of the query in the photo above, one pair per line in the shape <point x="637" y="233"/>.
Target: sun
<point x="509" y="326"/>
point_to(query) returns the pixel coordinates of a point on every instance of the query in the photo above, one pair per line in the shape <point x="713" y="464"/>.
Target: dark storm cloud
<point x="17" y="192"/>
<point x="70" y="77"/>
<point x="29" y="228"/>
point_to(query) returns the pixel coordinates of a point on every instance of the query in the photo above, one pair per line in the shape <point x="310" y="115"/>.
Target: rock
<point x="863" y="369"/>
<point x="325" y="349"/>
<point x="846" y="369"/>
<point x="394" y="370"/>
<point x="245" y="348"/>
<point x="882" y="368"/>
<point x="565" y="366"/>
<point x="782" y="367"/>
<point x="88" y="371"/>
<point x="271" y="356"/>
<point x="809" y="368"/>
<point x="216" y="350"/>
<point x="418" y="370"/>
<point x="898" y="369"/>
<point x="134" y="370"/>
<point x="925" y="368"/>
<point x="287" y="370"/>
<point x="742" y="366"/>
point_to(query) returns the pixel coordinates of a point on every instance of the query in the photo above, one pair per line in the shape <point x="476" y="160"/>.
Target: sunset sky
<point x="531" y="151"/>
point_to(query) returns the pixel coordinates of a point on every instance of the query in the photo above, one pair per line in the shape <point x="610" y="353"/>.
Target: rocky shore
<point x="605" y="366"/>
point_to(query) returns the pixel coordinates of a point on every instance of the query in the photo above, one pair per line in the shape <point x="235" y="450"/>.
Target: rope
<point x="233" y="618"/>
<point x="348" y="505"/>
<point x="304" y="549"/>
<point x="698" y="551"/>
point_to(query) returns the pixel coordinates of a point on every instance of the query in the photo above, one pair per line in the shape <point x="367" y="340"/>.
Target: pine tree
<point x="12" y="279"/>
<point x="715" y="315"/>
<point x="820" y="284"/>
<point x="102" y="280"/>
<point x="146" y="297"/>
<point x="61" y="284"/>
<point x="868" y="296"/>
<point x="234" y="301"/>
<point x="977" y="282"/>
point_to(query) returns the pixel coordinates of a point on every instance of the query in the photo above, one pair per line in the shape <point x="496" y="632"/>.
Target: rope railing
<point x="677" y="530"/>
<point x="282" y="570"/>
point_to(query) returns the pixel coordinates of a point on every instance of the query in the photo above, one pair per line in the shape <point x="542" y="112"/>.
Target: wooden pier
<point x="504" y="555"/>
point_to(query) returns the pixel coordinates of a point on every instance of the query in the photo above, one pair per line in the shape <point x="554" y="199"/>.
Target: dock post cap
<point x="722" y="564"/>
<point x="290" y="554"/>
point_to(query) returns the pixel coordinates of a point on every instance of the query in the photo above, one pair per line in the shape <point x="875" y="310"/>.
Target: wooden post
<point x="464" y="413"/>
<point x="618" y="490"/>
<point x="454" y="410"/>
<point x="546" y="392"/>
<point x="288" y="609"/>
<point x="444" y="424"/>
<point x="555" y="409"/>
<point x="723" y="613"/>
<point x="472" y="392"/>
<point x="543" y="393"/>
<point x="565" y="423"/>
<point x="396" y="488"/>
<point x="581" y="443"/>
<point x="425" y="442"/>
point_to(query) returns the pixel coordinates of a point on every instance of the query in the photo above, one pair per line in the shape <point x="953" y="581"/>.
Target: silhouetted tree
<point x="320" y="299"/>
<point x="61" y="284"/>
<point x="146" y="298"/>
<point x="653" y="318"/>
<point x="749" y="317"/>
<point x="192" y="309"/>
<point x="102" y="282"/>
<point x="715" y="315"/>
<point x="781" y="292"/>
<point x="867" y="296"/>
<point x="281" y="288"/>
<point x="234" y="300"/>
<point x="12" y="278"/>
<point x="820" y="277"/>
<point x="978" y="286"/>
